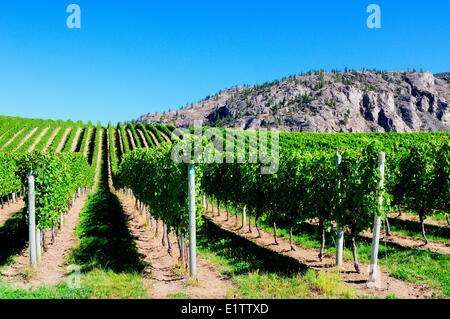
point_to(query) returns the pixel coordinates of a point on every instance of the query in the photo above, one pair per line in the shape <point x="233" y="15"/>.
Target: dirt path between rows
<point x="99" y="158"/>
<point x="309" y="257"/>
<point x="50" y="140"/>
<point x="143" y="138"/>
<point x="119" y="136"/>
<point x="51" y="269"/>
<point x="405" y="241"/>
<point x="415" y="218"/>
<point x="10" y="210"/>
<point x="38" y="139"/>
<point x="160" y="273"/>
<point x="75" y="140"/>
<point x="410" y="242"/>
<point x="12" y="138"/>
<point x="109" y="145"/>
<point x="86" y="146"/>
<point x="130" y="135"/>
<point x="63" y="140"/>
<point x="155" y="140"/>
<point x="26" y="138"/>
<point x="164" y="136"/>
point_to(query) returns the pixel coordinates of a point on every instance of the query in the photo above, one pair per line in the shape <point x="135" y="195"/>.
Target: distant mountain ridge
<point x="353" y="101"/>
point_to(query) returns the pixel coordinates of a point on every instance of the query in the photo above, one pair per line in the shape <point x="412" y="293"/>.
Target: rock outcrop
<point x="354" y="101"/>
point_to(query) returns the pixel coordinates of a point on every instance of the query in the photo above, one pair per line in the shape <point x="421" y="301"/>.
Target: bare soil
<point x="155" y="140"/>
<point x="26" y="138"/>
<point x="415" y="218"/>
<point x="75" y="140"/>
<point x="161" y="274"/>
<point x="38" y="139"/>
<point x="63" y="140"/>
<point x="97" y="167"/>
<point x="10" y="209"/>
<point x="130" y="135"/>
<point x="50" y="140"/>
<point x="164" y="136"/>
<point x="405" y="241"/>
<point x="309" y="257"/>
<point x="143" y="138"/>
<point x="86" y="147"/>
<point x="120" y="141"/>
<point x="109" y="144"/>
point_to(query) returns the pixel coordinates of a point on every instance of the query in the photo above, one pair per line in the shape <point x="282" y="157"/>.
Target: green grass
<point x="274" y="286"/>
<point x="107" y="254"/>
<point x="179" y="295"/>
<point x="106" y="284"/>
<point x="439" y="216"/>
<point x="98" y="284"/>
<point x="258" y="272"/>
<point x="105" y="240"/>
<point x="61" y="291"/>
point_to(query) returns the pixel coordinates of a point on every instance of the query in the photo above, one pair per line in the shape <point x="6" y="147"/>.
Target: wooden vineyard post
<point x="244" y="215"/>
<point x="192" y="231"/>
<point x="373" y="271"/>
<point x="31" y="219"/>
<point x="339" y="230"/>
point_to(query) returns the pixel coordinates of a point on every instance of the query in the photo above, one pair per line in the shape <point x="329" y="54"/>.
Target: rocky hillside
<point x="353" y="101"/>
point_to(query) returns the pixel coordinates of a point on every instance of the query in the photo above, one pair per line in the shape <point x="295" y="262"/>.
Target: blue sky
<point x="134" y="57"/>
